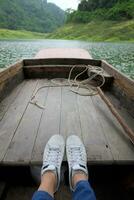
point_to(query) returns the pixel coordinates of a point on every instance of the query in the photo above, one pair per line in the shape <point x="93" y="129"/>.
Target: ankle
<point x="48" y="182"/>
<point x="79" y="176"/>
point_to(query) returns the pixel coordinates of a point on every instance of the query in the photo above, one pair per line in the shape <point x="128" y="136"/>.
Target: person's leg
<point x="50" y="173"/>
<point x="48" y="183"/>
<point x="78" y="172"/>
<point x="47" y="187"/>
<point x="82" y="188"/>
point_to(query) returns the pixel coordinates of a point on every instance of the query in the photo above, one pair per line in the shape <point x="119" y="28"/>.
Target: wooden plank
<point x="126" y="84"/>
<point x="92" y="132"/>
<point x="10" y="83"/>
<point x="123" y="112"/>
<point x="70" y="122"/>
<point x="127" y="130"/>
<point x="21" y="146"/>
<point x="63" y="53"/>
<point x="5" y="104"/>
<point x="13" y="116"/>
<point x="122" y="87"/>
<point x="49" y="125"/>
<point x="9" y="78"/>
<point x="52" y="66"/>
<point x="61" y="61"/>
<point x="121" y="147"/>
<point x="126" y="101"/>
<point x="10" y="71"/>
<point x="53" y="71"/>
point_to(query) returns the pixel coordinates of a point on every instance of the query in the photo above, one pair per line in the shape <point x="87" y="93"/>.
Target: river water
<point x="120" y="55"/>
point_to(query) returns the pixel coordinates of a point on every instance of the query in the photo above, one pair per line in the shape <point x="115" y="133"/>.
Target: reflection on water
<point x="120" y="55"/>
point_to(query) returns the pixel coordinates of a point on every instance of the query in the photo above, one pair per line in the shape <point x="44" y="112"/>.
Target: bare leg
<point x="79" y="176"/>
<point x="48" y="183"/>
<point x="78" y="171"/>
<point x="50" y="172"/>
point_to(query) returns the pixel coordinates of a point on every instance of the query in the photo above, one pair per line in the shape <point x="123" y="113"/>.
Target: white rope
<point x="83" y="88"/>
<point x="89" y="90"/>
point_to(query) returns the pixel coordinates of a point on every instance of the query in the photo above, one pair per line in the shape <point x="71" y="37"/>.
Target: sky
<point x="64" y="4"/>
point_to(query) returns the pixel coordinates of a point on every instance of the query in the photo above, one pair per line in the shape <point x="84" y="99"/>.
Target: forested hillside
<point x="114" y="10"/>
<point x="95" y="20"/>
<point x="99" y="20"/>
<point x="31" y="15"/>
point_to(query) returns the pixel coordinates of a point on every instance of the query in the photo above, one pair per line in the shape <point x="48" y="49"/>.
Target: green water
<point x="120" y="55"/>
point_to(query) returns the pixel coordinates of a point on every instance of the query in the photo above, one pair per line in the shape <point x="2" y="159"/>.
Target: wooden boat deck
<point x="25" y="128"/>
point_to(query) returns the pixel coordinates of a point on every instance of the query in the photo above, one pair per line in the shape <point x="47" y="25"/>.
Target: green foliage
<point x="79" y="17"/>
<point x="93" y="31"/>
<point x="15" y="34"/>
<point x="91" y="5"/>
<point x="89" y="10"/>
<point x="110" y="31"/>
<point x="31" y="15"/>
<point x="99" y="20"/>
<point x="121" y="11"/>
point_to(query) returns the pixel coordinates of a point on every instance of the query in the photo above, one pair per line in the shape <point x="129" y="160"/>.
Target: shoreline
<point x="95" y="31"/>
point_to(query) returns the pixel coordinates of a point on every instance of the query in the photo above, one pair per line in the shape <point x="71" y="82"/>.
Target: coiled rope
<point x="83" y="88"/>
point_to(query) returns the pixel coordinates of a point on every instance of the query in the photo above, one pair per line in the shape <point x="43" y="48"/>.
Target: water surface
<point x="120" y="55"/>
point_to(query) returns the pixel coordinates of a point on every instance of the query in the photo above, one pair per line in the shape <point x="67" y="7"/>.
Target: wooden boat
<point x="25" y="128"/>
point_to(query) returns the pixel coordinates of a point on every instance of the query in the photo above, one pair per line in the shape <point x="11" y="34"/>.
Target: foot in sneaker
<point x="77" y="158"/>
<point x="53" y="156"/>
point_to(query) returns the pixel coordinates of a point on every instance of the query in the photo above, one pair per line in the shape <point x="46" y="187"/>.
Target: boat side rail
<point x="10" y="77"/>
<point x="122" y="87"/>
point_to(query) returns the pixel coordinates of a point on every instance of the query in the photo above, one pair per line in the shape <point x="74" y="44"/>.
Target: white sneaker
<point x="76" y="156"/>
<point x="53" y="156"/>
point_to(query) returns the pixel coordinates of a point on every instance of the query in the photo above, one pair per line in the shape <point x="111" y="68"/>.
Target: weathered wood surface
<point x="127" y="130"/>
<point x="10" y="71"/>
<point x="5" y="104"/>
<point x="121" y="147"/>
<point x="25" y="129"/>
<point x="123" y="82"/>
<point x="63" y="53"/>
<point x="61" y="61"/>
<point x="52" y="71"/>
<point x="122" y="111"/>
<point x="62" y="71"/>
<point x="70" y="121"/>
<point x="49" y="124"/>
<point x="13" y="116"/>
<point x="122" y="87"/>
<point x="10" y="78"/>
<point x="21" y="146"/>
<point x="93" y="136"/>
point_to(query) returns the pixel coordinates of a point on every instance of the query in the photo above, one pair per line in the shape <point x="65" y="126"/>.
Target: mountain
<point x="30" y="15"/>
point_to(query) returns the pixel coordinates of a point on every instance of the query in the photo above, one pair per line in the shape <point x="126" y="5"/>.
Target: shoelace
<point x="53" y="156"/>
<point x="75" y="155"/>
